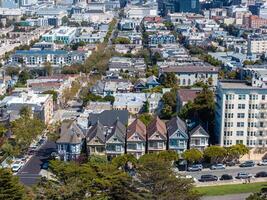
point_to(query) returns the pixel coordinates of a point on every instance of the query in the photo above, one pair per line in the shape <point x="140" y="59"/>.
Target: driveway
<point x="29" y="174"/>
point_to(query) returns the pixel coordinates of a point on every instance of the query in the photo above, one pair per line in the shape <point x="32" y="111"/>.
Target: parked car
<point x="243" y="175"/>
<point x="226" y="177"/>
<point x="207" y="178"/>
<point x="230" y="163"/>
<point x="16" y="166"/>
<point x="261" y="174"/>
<point x="217" y="166"/>
<point x="263" y="163"/>
<point x="248" y="163"/>
<point x="194" y="168"/>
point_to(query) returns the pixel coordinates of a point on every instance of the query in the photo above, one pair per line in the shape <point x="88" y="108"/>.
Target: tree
<point x="146" y="107"/>
<point x="215" y="153"/>
<point x="23" y="77"/>
<point x="146" y="118"/>
<point x="48" y="69"/>
<point x="122" y="160"/>
<point x="25" y="111"/>
<point x="236" y="151"/>
<point x="192" y="155"/>
<point x="156" y="57"/>
<point x="10" y="188"/>
<point x="169" y="104"/>
<point x="259" y="195"/>
<point x="12" y="71"/>
<point x="121" y="40"/>
<point x="157" y="177"/>
<point x="93" y="180"/>
<point x="3" y="130"/>
<point x="169" y="80"/>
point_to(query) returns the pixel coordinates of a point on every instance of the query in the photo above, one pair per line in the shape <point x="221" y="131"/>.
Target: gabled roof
<point x="137" y="127"/>
<point x="152" y="80"/>
<point x="156" y="125"/>
<point x="70" y="134"/>
<point x="140" y="83"/>
<point x="176" y="123"/>
<point x="109" y="117"/>
<point x="198" y="130"/>
<point x="118" y="130"/>
<point x="97" y="130"/>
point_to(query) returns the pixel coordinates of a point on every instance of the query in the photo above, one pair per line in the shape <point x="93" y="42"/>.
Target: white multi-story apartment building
<point x="241" y="114"/>
<point x="257" y="44"/>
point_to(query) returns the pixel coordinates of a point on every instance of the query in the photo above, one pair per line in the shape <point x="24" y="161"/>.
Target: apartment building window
<point x="241" y="106"/>
<point x="229" y="115"/>
<point x="262" y="106"/>
<point x="263" y="97"/>
<point x="239" y="133"/>
<point x="253" y="97"/>
<point x="228" y="133"/>
<point x="240" y="115"/>
<point x="242" y="97"/>
<point x="229" y="106"/>
<point x="228" y="124"/>
<point x="229" y="96"/>
<point x="261" y="124"/>
<point x="240" y="124"/>
<point x="260" y="133"/>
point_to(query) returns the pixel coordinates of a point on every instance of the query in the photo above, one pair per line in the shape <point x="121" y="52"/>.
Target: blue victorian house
<point x="177" y="135"/>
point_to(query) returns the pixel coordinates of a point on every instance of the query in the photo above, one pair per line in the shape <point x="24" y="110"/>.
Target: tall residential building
<point x="241" y="115"/>
<point x="257" y="44"/>
<point x="189" y="6"/>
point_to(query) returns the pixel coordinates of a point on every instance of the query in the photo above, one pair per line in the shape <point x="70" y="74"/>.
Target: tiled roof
<point x="188" y="94"/>
<point x="137" y="127"/>
<point x="156" y="125"/>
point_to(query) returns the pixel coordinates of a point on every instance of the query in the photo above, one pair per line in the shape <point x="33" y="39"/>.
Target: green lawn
<point x="231" y="189"/>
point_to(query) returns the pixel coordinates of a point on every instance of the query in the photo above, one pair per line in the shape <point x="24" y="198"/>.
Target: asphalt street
<point x="229" y="170"/>
<point x="29" y="174"/>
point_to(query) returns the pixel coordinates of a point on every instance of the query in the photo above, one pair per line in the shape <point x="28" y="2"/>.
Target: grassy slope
<point x="231" y="189"/>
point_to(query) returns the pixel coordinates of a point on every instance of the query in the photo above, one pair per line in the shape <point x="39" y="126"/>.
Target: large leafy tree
<point x="169" y="104"/>
<point x="156" y="176"/>
<point x="192" y="155"/>
<point x="215" y="153"/>
<point x="10" y="188"/>
<point x="236" y="151"/>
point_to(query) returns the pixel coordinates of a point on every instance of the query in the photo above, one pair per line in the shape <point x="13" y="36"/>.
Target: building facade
<point x="241" y="114"/>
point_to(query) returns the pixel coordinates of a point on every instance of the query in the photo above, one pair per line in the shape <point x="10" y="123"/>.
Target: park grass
<point x="231" y="189"/>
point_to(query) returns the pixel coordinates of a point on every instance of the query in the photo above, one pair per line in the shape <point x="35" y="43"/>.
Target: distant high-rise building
<point x="189" y="6"/>
<point x="171" y="6"/>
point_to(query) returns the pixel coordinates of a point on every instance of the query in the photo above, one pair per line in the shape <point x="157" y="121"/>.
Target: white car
<point x="16" y="166"/>
<point x="263" y="162"/>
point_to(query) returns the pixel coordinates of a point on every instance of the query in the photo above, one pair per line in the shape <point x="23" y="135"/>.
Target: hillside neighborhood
<point x="132" y="100"/>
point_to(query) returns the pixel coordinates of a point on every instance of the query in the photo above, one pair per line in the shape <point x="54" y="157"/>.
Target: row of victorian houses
<point x="112" y="138"/>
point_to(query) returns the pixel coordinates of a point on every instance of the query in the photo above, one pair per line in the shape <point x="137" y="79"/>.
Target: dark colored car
<point x="261" y="174"/>
<point x="207" y="178"/>
<point x="247" y="164"/>
<point x="226" y="177"/>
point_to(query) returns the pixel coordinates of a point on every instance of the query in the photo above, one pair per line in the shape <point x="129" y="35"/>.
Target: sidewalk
<point x="228" y="197"/>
